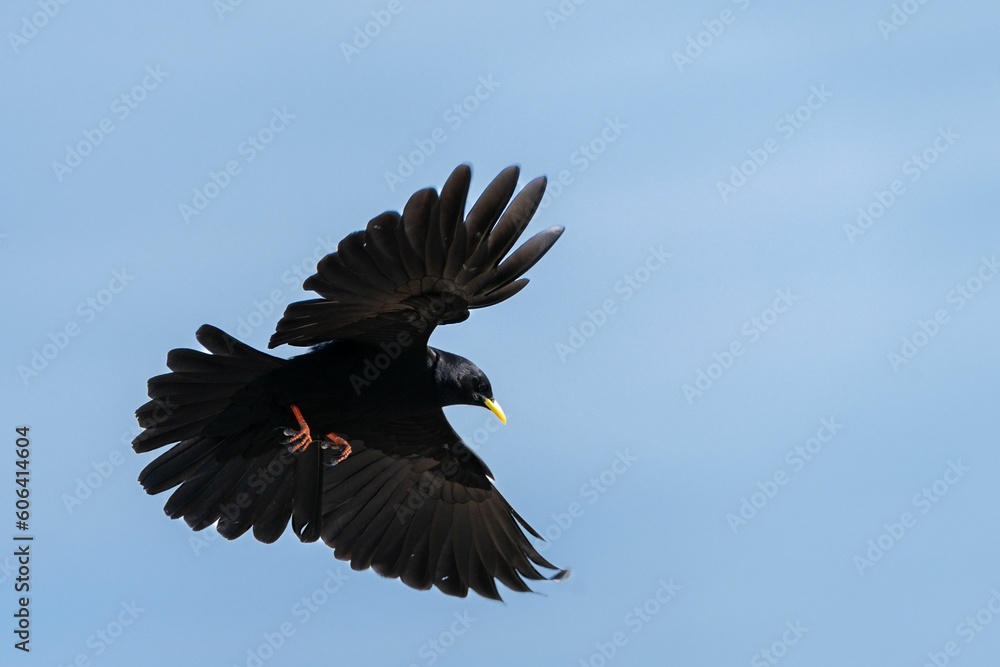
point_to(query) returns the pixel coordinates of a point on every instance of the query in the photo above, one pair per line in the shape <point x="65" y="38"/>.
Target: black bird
<point x="349" y="440"/>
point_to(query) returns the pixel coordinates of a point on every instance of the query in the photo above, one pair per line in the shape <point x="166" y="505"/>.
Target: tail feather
<point x="200" y="499"/>
<point x="198" y="393"/>
<point x="268" y="513"/>
<point x="230" y="467"/>
<point x="309" y="492"/>
<point x="175" y="465"/>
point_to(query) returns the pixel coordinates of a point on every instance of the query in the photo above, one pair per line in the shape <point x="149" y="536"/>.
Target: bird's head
<point x="458" y="381"/>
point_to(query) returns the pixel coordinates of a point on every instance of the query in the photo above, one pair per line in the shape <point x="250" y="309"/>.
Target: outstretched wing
<point x="413" y="501"/>
<point x="404" y="275"/>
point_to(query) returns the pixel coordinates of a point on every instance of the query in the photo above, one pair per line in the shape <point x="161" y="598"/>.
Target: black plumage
<point x="391" y="485"/>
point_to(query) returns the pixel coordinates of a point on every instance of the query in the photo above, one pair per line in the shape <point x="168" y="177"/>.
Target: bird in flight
<point x="349" y="440"/>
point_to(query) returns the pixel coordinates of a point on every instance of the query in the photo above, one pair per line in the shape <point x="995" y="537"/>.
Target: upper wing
<point x="405" y="275"/>
<point x="413" y="501"/>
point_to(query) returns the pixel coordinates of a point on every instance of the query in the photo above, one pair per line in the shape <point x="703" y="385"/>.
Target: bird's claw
<point x="300" y="438"/>
<point x="335" y="442"/>
<point x="345" y="451"/>
<point x="299" y="442"/>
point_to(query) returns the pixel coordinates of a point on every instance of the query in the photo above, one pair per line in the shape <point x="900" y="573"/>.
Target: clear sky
<point x="751" y="392"/>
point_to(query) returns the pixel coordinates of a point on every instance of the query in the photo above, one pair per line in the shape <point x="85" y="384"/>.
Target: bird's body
<point x="335" y="385"/>
<point x="349" y="440"/>
<point x="340" y="384"/>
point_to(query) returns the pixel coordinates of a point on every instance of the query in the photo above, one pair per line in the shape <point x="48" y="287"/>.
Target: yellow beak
<point x="496" y="409"/>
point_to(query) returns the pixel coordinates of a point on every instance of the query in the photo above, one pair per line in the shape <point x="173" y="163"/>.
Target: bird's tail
<point x="227" y="460"/>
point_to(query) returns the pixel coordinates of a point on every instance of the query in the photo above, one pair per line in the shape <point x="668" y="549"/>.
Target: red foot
<point x="302" y="438"/>
<point x="332" y="439"/>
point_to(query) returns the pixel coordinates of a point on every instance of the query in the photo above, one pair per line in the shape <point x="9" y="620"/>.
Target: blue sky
<point x="751" y="391"/>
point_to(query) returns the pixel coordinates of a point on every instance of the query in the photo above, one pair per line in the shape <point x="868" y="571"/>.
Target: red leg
<point x="334" y="439"/>
<point x="300" y="439"/>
